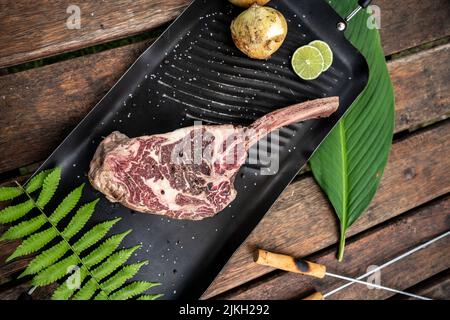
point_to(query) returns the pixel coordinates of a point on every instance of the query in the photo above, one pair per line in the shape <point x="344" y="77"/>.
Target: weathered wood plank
<point x="37" y="29"/>
<point x="437" y="288"/>
<point x="32" y="30"/>
<point x="421" y="87"/>
<point x="397" y="237"/>
<point x="9" y="270"/>
<point x="301" y="222"/>
<point x="32" y="102"/>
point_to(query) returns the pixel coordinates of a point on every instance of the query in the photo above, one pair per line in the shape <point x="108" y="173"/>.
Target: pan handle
<point x="362" y="4"/>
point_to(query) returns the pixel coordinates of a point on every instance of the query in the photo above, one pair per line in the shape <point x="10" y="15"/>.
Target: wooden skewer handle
<point x="315" y="296"/>
<point x="288" y="263"/>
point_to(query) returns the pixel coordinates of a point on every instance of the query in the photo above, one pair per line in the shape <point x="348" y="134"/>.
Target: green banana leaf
<point x="350" y="163"/>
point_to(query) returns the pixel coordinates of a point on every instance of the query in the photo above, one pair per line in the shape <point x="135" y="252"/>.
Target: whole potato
<point x="248" y="3"/>
<point x="259" y="31"/>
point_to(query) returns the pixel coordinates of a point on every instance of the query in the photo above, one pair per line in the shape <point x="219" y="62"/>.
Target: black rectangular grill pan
<point x="194" y="72"/>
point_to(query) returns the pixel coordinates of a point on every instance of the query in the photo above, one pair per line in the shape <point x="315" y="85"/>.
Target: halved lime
<point x="326" y="52"/>
<point x="307" y="62"/>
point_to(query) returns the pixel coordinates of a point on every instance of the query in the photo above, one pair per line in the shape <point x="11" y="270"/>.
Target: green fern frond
<point x="87" y="291"/>
<point x="148" y="297"/>
<point x="54" y="263"/>
<point x="9" y="193"/>
<point x="46" y="258"/>
<point x="101" y="296"/>
<point x="49" y="187"/>
<point x="131" y="290"/>
<point x="122" y="276"/>
<point x="67" y="205"/>
<point x="113" y="262"/>
<point x="94" y="235"/>
<point x="13" y="213"/>
<point x="55" y="272"/>
<point x="24" y="228"/>
<point x="64" y="291"/>
<point x="34" y="243"/>
<point x="37" y="181"/>
<point x="79" y="220"/>
<point x="105" y="249"/>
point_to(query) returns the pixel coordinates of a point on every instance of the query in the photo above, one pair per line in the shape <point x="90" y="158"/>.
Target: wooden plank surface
<point x="397" y="237"/>
<point x="301" y="222"/>
<point x="421" y="83"/>
<point x="436" y="287"/>
<point x="32" y="102"/>
<point x="410" y="23"/>
<point x="8" y="271"/>
<point x="36" y="29"/>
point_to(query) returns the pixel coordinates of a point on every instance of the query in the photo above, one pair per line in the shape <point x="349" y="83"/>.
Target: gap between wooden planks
<point x="395" y="237"/>
<point x="301" y="222"/>
<point x="32" y="30"/>
<point x="32" y="102"/>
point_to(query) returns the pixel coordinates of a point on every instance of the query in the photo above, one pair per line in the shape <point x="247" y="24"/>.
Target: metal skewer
<point x="288" y="263"/>
<point x="352" y="281"/>
<point x="396" y="259"/>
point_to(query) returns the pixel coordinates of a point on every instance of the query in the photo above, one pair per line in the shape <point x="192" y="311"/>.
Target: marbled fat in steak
<point x="188" y="173"/>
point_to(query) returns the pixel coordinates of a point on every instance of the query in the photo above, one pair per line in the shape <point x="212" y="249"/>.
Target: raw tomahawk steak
<point x="188" y="173"/>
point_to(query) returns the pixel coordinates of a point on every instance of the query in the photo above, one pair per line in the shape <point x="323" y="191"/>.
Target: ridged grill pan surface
<point x="194" y="72"/>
